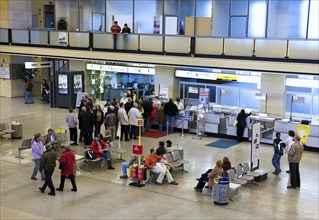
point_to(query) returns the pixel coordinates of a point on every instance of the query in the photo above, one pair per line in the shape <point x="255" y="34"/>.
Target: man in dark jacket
<point x="87" y="119"/>
<point x="47" y="163"/>
<point x="170" y="110"/>
<point x="147" y="106"/>
<point x="241" y="118"/>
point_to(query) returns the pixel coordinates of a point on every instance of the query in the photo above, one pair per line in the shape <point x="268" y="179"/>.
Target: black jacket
<point x="170" y="109"/>
<point x="241" y="118"/>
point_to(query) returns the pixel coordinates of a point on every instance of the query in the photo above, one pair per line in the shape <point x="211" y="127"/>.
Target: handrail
<point x="296" y="50"/>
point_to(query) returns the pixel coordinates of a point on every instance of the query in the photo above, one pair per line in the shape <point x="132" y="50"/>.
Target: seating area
<point x="5" y="130"/>
<point x="25" y="144"/>
<point x="174" y="159"/>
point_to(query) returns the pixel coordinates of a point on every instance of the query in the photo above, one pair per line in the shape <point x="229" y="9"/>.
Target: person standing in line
<point x="123" y="118"/>
<point x="180" y="106"/>
<point x="48" y="164"/>
<point x="110" y="122"/>
<point x="37" y="151"/>
<point x="241" y="124"/>
<point x="126" y="29"/>
<point x="153" y="113"/>
<point x="67" y="158"/>
<point x="294" y="157"/>
<point x="277" y="154"/>
<point x="87" y="126"/>
<point x="128" y="105"/>
<point x="170" y="110"/>
<point x="72" y="122"/>
<point x="133" y="115"/>
<point x="147" y="106"/>
<point x="28" y="92"/>
<point x="80" y="118"/>
<point x="161" y="117"/>
<point x="124" y="98"/>
<point x="98" y="119"/>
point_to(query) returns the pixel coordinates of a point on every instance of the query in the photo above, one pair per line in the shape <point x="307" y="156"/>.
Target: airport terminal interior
<point x="103" y="195"/>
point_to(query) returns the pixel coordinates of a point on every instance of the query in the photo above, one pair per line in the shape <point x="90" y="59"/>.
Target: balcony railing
<point x="239" y="48"/>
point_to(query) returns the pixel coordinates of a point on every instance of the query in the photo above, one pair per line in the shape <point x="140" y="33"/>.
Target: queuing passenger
<point x="67" y="158"/>
<point x="98" y="119"/>
<point x="87" y="126"/>
<point x="152" y="163"/>
<point x="180" y="106"/>
<point x="170" y="110"/>
<point x="37" y="151"/>
<point x="241" y="124"/>
<point x="72" y="122"/>
<point x="277" y="154"/>
<point x="153" y="113"/>
<point x="161" y="150"/>
<point x="123" y="119"/>
<point x="47" y="163"/>
<point x="126" y="29"/>
<point x="110" y="122"/>
<point x="128" y="105"/>
<point x="80" y="118"/>
<point x="99" y="149"/>
<point x="124" y="98"/>
<point x="161" y="117"/>
<point x="116" y="108"/>
<point x="294" y="157"/>
<point x="147" y="106"/>
<point x="133" y="115"/>
<point x="156" y="101"/>
<point x="209" y="176"/>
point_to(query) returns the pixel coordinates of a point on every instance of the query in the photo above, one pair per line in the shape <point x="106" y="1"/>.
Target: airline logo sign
<point x="137" y="149"/>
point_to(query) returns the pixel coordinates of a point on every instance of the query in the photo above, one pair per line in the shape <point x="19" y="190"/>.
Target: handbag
<point x="62" y="166"/>
<point x="235" y="123"/>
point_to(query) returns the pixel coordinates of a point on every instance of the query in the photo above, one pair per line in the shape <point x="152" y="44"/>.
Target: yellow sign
<point x="227" y="77"/>
<point x="303" y="131"/>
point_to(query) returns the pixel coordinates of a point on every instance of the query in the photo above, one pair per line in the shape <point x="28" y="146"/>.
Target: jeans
<point x="107" y="155"/>
<point x="36" y="169"/>
<point x="125" y="165"/>
<point x="160" y="126"/>
<point x="28" y="97"/>
<point x="147" y="123"/>
<point x="276" y="162"/>
<point x="170" y="120"/>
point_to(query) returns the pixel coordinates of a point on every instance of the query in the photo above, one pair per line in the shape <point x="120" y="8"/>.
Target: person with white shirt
<point x="156" y="101"/>
<point x="124" y="98"/>
<point x="123" y="119"/>
<point x="134" y="114"/>
<point x="180" y="106"/>
<point x="289" y="142"/>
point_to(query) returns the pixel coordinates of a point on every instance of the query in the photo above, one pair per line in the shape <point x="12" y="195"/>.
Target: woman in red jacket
<point x="67" y="158"/>
<point x="99" y="148"/>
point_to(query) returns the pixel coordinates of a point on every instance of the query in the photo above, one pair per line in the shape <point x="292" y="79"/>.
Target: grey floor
<point x="103" y="195"/>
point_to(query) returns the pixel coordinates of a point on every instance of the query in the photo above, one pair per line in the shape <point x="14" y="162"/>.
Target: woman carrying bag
<point x="67" y="163"/>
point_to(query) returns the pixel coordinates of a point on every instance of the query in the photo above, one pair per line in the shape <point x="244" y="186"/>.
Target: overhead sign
<point x="261" y="96"/>
<point x="37" y="65"/>
<point x="226" y="77"/>
<point x="120" y="69"/>
<point x="137" y="149"/>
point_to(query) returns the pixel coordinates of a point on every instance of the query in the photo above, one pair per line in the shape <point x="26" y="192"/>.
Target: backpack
<point x="89" y="154"/>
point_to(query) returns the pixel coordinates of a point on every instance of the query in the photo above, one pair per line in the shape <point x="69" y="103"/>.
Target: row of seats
<point x="4" y="129"/>
<point x="174" y="158"/>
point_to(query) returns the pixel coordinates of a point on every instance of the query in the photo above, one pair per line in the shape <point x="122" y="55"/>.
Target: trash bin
<point x="220" y="194"/>
<point x="17" y="127"/>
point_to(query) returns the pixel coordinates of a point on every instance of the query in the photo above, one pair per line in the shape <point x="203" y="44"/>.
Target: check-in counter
<point x="283" y="127"/>
<point x="232" y="131"/>
<point x="212" y="122"/>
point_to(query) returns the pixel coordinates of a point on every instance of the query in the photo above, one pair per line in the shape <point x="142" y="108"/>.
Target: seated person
<point x="152" y="163"/>
<point x="99" y="149"/>
<point x="226" y="163"/>
<point x="169" y="147"/>
<point x="52" y="139"/>
<point x="214" y="173"/>
<point x="125" y="165"/>
<point x="161" y="150"/>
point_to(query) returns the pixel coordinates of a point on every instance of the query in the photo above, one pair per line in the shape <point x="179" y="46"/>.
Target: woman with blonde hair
<point x="211" y="175"/>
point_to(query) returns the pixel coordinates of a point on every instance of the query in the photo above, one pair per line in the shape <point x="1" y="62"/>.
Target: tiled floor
<point x="103" y="195"/>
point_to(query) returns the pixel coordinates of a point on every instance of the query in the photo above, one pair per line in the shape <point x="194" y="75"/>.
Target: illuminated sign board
<point x="120" y="69"/>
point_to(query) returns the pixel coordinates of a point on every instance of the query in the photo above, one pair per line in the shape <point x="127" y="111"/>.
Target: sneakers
<point x="158" y="183"/>
<point x="174" y="183"/>
<point x="123" y="177"/>
<point x="33" y="178"/>
<point x="110" y="168"/>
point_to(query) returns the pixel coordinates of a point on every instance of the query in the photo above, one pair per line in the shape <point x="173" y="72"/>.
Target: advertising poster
<point x="203" y="97"/>
<point x="79" y="97"/>
<point x="77" y="83"/>
<point x="255" y="143"/>
<point x="303" y="132"/>
<point x="163" y="93"/>
<point x="63" y="84"/>
<point x="4" y="71"/>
